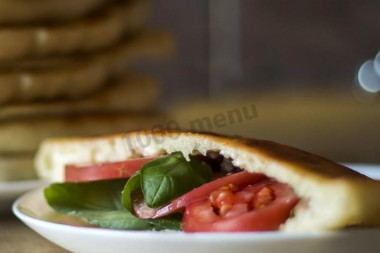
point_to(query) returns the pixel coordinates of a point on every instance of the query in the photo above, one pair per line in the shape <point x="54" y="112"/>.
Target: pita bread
<point x="12" y="11"/>
<point x="332" y="196"/>
<point x="130" y="93"/>
<point x="75" y="76"/>
<point x="85" y="35"/>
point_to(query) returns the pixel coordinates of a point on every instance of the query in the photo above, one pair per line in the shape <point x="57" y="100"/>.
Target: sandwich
<point x="202" y="182"/>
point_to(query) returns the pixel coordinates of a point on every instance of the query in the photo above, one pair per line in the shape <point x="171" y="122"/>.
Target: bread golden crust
<point x="333" y="196"/>
<point x="303" y="162"/>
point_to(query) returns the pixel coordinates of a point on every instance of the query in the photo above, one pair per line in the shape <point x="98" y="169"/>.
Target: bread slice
<point x="129" y="93"/>
<point x="85" y="35"/>
<point x="75" y="76"/>
<point x="51" y="10"/>
<point x="333" y="196"/>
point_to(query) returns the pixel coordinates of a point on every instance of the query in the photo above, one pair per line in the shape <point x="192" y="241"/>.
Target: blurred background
<point x="270" y="45"/>
<point x="296" y="61"/>
<point x="295" y="72"/>
<point x="302" y="73"/>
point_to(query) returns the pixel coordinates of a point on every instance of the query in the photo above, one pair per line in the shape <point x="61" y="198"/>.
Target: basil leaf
<point x="165" y="179"/>
<point x="100" y="203"/>
<point x="131" y="186"/>
<point x="96" y="195"/>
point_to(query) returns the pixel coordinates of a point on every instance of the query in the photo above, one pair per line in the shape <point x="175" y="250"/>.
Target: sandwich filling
<point x="204" y="193"/>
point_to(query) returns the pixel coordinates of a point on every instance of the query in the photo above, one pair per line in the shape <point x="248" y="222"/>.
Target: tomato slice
<point x="258" y="207"/>
<point x="200" y="217"/>
<point x="102" y="171"/>
<point x="238" y="202"/>
<point x="239" y="179"/>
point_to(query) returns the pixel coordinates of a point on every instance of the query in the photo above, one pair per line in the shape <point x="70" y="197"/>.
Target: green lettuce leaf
<point x="100" y="202"/>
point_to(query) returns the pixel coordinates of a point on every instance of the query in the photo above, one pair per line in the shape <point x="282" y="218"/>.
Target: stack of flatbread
<point x="66" y="70"/>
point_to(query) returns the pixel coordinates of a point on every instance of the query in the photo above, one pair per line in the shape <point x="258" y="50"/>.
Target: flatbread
<point x="85" y="35"/>
<point x="332" y="196"/>
<point x="26" y="11"/>
<point x="130" y="93"/>
<point x="75" y="76"/>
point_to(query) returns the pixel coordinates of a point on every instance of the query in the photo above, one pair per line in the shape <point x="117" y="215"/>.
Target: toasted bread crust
<point x="333" y="196"/>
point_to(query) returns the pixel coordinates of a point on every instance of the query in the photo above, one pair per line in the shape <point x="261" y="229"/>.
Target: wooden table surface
<point x="16" y="237"/>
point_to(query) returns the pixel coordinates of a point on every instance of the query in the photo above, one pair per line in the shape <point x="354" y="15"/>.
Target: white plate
<point x="9" y="191"/>
<point x="73" y="235"/>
